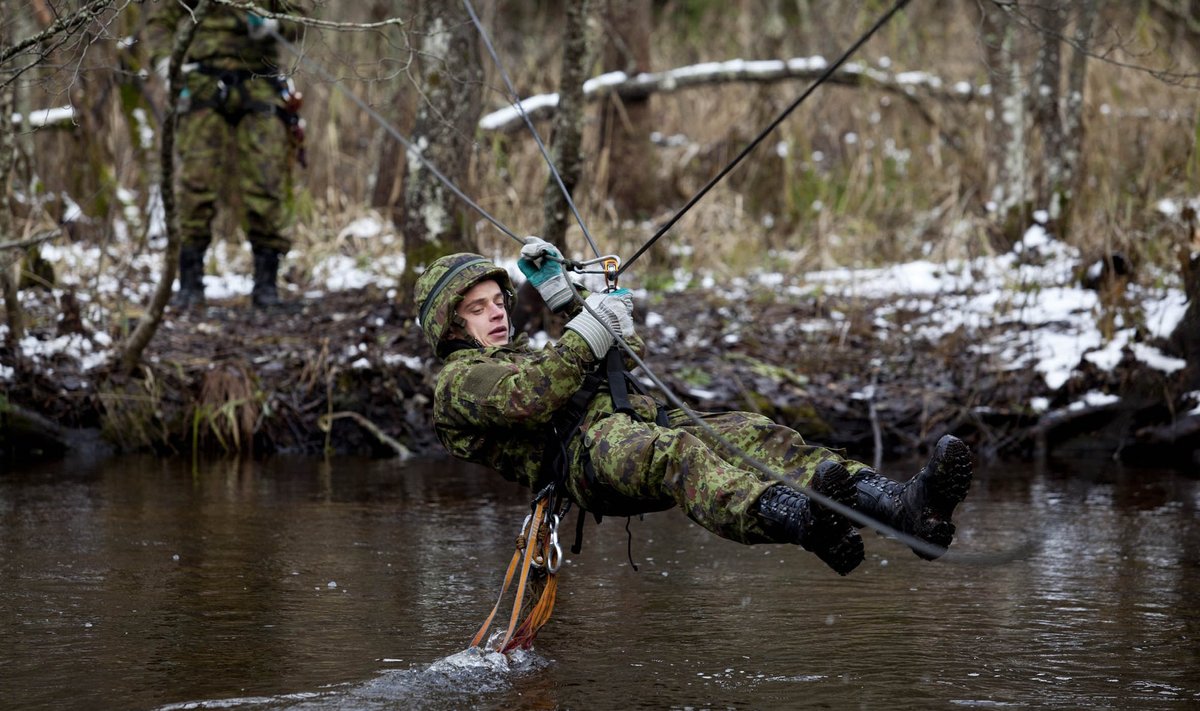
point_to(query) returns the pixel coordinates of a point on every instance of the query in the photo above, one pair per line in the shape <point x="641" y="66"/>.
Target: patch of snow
<point x="1155" y="358"/>
<point x="408" y="361"/>
<point x="1093" y="398"/>
<point x="363" y="227"/>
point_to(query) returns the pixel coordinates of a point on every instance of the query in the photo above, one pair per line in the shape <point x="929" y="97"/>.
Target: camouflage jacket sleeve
<point x="502" y="387"/>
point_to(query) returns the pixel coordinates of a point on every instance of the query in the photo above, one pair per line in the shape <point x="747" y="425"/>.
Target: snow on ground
<point x="1034" y="287"/>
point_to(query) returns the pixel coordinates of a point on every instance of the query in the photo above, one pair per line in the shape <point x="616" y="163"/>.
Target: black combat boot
<point x="191" y="276"/>
<point x="922" y="506"/>
<point x="266" y="269"/>
<point x="795" y="517"/>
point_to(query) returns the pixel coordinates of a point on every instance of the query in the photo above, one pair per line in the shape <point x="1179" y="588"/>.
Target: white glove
<point x="616" y="311"/>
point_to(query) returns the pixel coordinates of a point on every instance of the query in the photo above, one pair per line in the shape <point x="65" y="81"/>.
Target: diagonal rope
<point x="883" y="20"/>
<point x="515" y="100"/>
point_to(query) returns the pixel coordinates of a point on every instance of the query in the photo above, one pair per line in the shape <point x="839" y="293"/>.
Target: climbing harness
<point x="231" y="83"/>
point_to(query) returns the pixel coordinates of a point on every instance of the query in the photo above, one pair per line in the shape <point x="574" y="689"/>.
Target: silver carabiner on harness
<point x="554" y="554"/>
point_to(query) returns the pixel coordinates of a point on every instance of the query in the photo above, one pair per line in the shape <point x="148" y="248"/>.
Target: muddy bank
<point x="348" y="373"/>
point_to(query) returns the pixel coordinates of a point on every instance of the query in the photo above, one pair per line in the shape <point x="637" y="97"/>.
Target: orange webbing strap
<point x="512" y="568"/>
<point x="531" y="544"/>
<point x="537" y="617"/>
<point x="530" y="535"/>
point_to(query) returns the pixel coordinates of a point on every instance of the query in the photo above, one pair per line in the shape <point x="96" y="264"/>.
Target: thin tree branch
<point x="30" y="241"/>
<point x="66" y="23"/>
<point x="130" y="354"/>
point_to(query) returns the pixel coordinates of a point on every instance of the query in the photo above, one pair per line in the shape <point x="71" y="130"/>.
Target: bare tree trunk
<point x="9" y="258"/>
<point x="626" y="124"/>
<point x="435" y="221"/>
<point x="1010" y="189"/>
<point x="130" y="353"/>
<point x="1047" y="80"/>
<point x="1059" y="111"/>
<point x="565" y="152"/>
<point x="389" y="171"/>
<point x="568" y="123"/>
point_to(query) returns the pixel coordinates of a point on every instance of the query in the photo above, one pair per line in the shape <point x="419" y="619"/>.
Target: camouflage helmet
<point x="440" y="289"/>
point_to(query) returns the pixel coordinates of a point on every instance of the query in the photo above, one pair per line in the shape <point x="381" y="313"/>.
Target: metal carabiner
<point x="554" y="554"/>
<point x="612" y="270"/>
<point x="610" y="267"/>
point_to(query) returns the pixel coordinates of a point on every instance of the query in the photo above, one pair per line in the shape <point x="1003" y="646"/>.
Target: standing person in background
<point x="239" y="130"/>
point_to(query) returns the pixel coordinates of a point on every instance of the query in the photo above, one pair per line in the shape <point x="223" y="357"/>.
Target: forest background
<point x="947" y="136"/>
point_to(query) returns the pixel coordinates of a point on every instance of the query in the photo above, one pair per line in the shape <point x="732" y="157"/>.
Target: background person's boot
<point x="797" y="518"/>
<point x="922" y="506"/>
<point x="191" y="276"/>
<point x="266" y="270"/>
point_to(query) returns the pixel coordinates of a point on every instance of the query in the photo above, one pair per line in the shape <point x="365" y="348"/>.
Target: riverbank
<point x="876" y="362"/>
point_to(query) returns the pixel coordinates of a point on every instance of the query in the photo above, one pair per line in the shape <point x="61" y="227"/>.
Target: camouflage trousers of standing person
<point x="620" y="466"/>
<point x="235" y="149"/>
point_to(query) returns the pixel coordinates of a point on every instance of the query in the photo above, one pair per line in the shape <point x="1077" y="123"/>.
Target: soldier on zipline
<point x="555" y="416"/>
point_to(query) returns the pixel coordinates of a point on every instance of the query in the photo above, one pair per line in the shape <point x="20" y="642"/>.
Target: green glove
<point x="541" y="263"/>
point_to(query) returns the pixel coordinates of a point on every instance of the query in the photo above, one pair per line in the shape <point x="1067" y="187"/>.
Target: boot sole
<point x="949" y="484"/>
<point x="835" y="540"/>
<point x="952" y="481"/>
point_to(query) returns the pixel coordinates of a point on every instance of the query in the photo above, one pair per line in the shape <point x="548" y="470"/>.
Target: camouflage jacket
<point x="224" y="39"/>
<point x="493" y="406"/>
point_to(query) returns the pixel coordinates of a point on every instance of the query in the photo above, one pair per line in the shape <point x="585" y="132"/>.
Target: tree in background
<point x="1036" y="102"/>
<point x="434" y="221"/>
<point x="626" y="122"/>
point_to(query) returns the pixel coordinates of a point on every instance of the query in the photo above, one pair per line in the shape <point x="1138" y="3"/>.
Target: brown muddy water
<point x="138" y="583"/>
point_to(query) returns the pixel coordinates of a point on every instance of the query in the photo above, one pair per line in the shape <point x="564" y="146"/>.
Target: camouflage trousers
<point x="620" y="466"/>
<point x="251" y="158"/>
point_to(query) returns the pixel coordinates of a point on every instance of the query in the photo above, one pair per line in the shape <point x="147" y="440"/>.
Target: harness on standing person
<point x="234" y="81"/>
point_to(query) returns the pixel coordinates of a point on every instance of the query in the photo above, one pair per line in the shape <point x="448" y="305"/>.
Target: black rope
<point x="515" y="100"/>
<point x="759" y="139"/>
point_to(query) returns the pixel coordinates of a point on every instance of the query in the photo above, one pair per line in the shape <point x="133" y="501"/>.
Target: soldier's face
<point x="482" y="310"/>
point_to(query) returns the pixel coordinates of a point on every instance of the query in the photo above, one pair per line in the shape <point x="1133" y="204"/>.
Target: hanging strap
<point x="617" y="387"/>
<point x="531" y="541"/>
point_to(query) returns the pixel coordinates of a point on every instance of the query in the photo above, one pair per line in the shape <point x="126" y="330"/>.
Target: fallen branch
<point x="325" y="423"/>
<point x="907" y="84"/>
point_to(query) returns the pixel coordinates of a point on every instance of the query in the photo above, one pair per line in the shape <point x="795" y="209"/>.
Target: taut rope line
<point x="515" y="101"/>
<point x="765" y="132"/>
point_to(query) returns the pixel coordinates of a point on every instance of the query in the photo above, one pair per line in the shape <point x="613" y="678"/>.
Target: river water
<point x="139" y="583"/>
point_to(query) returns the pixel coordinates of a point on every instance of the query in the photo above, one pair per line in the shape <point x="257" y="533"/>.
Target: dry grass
<point x="910" y="183"/>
